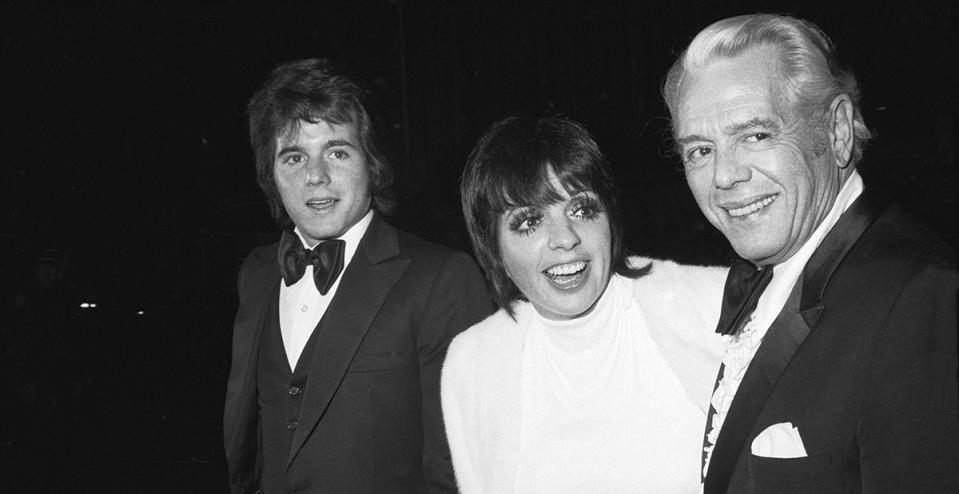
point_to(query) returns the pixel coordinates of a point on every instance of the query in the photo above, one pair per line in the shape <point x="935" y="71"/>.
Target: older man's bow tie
<point x="744" y="285"/>
<point x="326" y="258"/>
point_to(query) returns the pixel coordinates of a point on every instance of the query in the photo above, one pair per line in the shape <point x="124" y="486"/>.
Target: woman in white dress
<point x="595" y="374"/>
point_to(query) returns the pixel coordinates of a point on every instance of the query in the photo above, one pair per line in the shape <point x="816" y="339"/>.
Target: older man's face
<point x="760" y="174"/>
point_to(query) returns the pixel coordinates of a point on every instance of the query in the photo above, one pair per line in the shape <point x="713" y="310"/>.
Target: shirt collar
<point x="352" y="236"/>
<point x="847" y="194"/>
<point x="787" y="272"/>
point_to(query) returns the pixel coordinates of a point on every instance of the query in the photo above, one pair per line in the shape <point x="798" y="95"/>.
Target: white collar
<point x="351" y="236"/>
<point x="787" y="272"/>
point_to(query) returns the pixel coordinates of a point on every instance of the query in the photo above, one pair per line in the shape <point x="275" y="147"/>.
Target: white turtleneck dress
<point x="587" y="405"/>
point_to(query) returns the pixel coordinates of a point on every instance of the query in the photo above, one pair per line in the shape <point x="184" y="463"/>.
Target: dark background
<point x="128" y="182"/>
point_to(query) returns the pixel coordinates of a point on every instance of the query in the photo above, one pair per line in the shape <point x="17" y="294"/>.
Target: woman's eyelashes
<point x="586" y="207"/>
<point x="525" y="220"/>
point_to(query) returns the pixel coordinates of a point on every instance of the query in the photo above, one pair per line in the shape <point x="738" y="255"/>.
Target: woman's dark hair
<point x="310" y="91"/>
<point x="509" y="167"/>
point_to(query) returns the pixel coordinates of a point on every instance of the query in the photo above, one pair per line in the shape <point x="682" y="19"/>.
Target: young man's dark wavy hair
<point x="314" y="90"/>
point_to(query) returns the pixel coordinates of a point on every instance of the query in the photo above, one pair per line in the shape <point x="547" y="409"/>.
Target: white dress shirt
<point x="741" y="348"/>
<point x="302" y="306"/>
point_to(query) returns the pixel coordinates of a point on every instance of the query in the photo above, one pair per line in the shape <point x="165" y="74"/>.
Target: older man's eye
<point x="697" y="156"/>
<point x="758" y="136"/>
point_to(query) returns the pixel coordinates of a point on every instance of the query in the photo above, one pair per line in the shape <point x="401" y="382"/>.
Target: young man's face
<point x="323" y="178"/>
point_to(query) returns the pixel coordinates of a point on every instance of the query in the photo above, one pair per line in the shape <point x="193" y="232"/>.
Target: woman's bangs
<point x="514" y="188"/>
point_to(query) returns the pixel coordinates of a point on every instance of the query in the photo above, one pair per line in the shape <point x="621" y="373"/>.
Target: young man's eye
<point x="294" y="159"/>
<point x="339" y="154"/>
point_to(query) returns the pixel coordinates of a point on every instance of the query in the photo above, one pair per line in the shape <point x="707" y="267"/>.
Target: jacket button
<point x="291" y="424"/>
<point x="294" y="390"/>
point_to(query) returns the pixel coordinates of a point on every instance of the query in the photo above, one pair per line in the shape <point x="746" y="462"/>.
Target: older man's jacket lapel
<point x="833" y="249"/>
<point x="778" y="347"/>
<point x="797" y="319"/>
<point x="366" y="282"/>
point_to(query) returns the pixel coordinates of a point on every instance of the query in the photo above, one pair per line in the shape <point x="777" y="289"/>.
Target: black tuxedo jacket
<point x="862" y="360"/>
<point x="373" y="401"/>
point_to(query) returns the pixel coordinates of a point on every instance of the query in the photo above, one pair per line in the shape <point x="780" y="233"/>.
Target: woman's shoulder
<point x="680" y="304"/>
<point x="481" y="360"/>
<point x="680" y="300"/>
<point x="489" y="336"/>
<point x="666" y="267"/>
<point x="667" y="278"/>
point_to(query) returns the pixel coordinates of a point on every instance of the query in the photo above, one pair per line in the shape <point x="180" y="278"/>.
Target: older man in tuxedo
<point x="343" y="324"/>
<point x="840" y="369"/>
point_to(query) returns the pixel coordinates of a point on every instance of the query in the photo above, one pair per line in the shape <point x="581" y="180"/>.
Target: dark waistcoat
<point x="280" y="396"/>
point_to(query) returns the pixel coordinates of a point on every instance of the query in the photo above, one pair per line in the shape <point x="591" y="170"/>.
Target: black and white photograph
<point x="411" y="246"/>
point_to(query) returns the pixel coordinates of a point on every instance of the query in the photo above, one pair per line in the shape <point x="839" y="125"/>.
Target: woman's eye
<point x="528" y="224"/>
<point x="524" y="223"/>
<point x="586" y="208"/>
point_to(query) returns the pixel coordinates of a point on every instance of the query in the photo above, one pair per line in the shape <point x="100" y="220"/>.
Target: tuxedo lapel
<point x="837" y="243"/>
<point x="366" y="282"/>
<point x="780" y="343"/>
<point x="794" y="323"/>
<point x="261" y="286"/>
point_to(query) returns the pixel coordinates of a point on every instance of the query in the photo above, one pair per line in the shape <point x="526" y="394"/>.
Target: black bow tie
<point x="744" y="285"/>
<point x="326" y="258"/>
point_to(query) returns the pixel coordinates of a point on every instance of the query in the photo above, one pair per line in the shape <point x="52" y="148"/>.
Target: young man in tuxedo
<point x="840" y="369"/>
<point x="343" y="324"/>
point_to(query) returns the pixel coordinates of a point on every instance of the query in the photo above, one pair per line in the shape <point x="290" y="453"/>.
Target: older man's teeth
<point x="316" y="203"/>
<point x="752" y="207"/>
<point x="568" y="269"/>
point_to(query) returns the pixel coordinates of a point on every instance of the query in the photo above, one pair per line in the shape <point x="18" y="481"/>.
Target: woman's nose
<point x="562" y="235"/>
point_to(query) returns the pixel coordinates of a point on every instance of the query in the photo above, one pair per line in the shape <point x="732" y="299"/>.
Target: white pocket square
<point x="779" y="441"/>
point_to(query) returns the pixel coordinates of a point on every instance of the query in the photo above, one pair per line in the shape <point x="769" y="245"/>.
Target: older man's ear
<point x="841" y="129"/>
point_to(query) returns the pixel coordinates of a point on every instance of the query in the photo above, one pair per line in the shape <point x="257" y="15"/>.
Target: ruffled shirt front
<point x="742" y="347"/>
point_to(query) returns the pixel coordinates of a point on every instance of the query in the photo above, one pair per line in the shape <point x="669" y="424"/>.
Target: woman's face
<point x="558" y="256"/>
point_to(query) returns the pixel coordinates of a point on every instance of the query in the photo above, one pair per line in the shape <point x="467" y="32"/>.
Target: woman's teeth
<point x="568" y="269"/>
